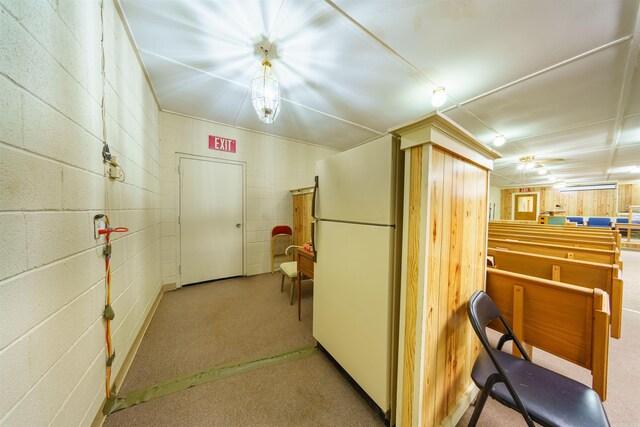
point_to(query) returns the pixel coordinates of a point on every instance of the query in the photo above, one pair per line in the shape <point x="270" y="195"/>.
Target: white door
<point x="211" y="234"/>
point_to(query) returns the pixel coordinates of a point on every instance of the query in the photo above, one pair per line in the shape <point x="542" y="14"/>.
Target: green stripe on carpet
<point x="212" y="374"/>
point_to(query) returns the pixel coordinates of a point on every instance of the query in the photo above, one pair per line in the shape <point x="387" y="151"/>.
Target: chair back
<point x="482" y="310"/>
<point x="281" y="238"/>
<point x="281" y="229"/>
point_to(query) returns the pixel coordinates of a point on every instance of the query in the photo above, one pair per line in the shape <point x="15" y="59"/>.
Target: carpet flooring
<point x="233" y="321"/>
<point x="241" y="319"/>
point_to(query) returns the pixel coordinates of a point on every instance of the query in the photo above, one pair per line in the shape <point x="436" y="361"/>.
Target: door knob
<point x="238" y="225"/>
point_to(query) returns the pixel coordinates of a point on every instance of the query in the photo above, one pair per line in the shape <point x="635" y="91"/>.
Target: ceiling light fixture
<point x="439" y="97"/>
<point x="499" y="140"/>
<point x="265" y="92"/>
<point x="542" y="171"/>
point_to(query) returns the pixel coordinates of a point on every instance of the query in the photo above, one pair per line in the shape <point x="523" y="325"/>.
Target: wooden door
<point x="211" y="235"/>
<point x="525" y="207"/>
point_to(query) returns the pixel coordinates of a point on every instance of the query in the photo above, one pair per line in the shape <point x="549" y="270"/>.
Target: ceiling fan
<point x="531" y="163"/>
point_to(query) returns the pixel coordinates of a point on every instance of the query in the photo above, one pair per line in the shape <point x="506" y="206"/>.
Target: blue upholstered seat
<point x="596" y="221"/>
<point x="577" y="219"/>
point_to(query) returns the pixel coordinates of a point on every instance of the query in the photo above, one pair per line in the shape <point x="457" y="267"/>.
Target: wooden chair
<point x="540" y="395"/>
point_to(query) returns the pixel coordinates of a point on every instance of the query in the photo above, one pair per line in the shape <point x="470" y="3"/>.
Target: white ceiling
<point x="559" y="79"/>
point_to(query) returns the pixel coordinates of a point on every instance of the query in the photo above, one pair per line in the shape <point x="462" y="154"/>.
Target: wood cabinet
<point x="302" y="215"/>
<point x="443" y="263"/>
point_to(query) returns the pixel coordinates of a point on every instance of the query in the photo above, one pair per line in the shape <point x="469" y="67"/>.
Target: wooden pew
<point x="543" y="238"/>
<point x="555" y="233"/>
<point x="555" y="230"/>
<point x="581" y="273"/>
<point x="562" y="251"/>
<point x="568" y="321"/>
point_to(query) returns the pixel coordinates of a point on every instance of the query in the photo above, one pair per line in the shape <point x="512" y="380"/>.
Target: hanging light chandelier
<point x="265" y="92"/>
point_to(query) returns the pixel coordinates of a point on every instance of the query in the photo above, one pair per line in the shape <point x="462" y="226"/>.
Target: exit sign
<point x="222" y="144"/>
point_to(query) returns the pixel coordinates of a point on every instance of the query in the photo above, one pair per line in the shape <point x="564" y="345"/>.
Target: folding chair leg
<point x="282" y="283"/>
<point x="293" y="285"/>
<point x="480" y="401"/>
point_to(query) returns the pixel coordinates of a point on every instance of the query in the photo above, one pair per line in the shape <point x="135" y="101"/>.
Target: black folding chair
<point x="540" y="395"/>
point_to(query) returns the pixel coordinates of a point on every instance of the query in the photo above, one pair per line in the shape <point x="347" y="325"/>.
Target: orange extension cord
<point x="107" y="257"/>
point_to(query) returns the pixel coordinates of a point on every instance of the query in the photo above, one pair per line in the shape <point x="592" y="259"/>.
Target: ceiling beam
<point x="549" y="68"/>
<point x="625" y="91"/>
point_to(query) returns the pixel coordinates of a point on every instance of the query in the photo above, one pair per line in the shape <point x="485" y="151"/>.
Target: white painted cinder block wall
<point x="273" y="167"/>
<point x="52" y="351"/>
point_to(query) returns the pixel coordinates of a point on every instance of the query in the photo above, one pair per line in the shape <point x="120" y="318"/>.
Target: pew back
<point x="568" y="321"/>
<point x="582" y="273"/>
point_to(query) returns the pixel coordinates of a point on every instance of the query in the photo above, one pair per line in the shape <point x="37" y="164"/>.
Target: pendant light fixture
<point x="439" y="97"/>
<point x="265" y="92"/>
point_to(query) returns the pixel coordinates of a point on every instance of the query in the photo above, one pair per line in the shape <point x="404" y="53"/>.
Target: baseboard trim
<point x="99" y="419"/>
<point x="461" y="407"/>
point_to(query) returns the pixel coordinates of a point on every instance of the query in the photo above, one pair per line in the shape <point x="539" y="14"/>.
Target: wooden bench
<point x="544" y="238"/>
<point x="568" y="321"/>
<point x="562" y="251"/>
<point x="587" y="233"/>
<point x="581" y="273"/>
<point x="562" y="235"/>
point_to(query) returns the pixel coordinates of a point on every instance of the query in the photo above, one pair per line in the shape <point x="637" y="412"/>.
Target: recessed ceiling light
<point x="439" y="97"/>
<point x="542" y="171"/>
<point x="559" y="184"/>
<point x="499" y="140"/>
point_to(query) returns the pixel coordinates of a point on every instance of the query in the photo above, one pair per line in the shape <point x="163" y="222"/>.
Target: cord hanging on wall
<point x="103" y="228"/>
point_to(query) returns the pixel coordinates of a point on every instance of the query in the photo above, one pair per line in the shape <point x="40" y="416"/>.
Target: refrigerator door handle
<point x="313" y="224"/>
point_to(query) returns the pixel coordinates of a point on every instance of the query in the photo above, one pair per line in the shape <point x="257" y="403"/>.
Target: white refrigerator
<point x="356" y="238"/>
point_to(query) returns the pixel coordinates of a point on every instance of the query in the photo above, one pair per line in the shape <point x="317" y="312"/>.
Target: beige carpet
<point x="211" y="324"/>
<point x="230" y="321"/>
<point x="246" y="318"/>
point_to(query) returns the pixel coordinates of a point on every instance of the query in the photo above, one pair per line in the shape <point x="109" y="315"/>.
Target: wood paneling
<point x="628" y="194"/>
<point x="457" y="242"/>
<point x="575" y="203"/>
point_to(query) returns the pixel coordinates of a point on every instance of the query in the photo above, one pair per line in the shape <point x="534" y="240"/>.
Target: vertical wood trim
<point x="600" y="350"/>
<point x="442" y="295"/>
<point x="454" y="285"/>
<point x="434" y="241"/>
<point x="413" y="261"/>
<point x="555" y="273"/>
<point x="616" y="308"/>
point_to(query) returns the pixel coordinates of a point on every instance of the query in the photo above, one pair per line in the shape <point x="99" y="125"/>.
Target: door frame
<point x="178" y="157"/>
<point x="513" y="203"/>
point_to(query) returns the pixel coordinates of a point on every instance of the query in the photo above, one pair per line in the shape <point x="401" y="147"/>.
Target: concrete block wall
<point x="273" y="166"/>
<point x="52" y="292"/>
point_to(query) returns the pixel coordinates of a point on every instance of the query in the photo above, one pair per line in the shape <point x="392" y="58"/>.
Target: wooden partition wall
<point x="444" y="253"/>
